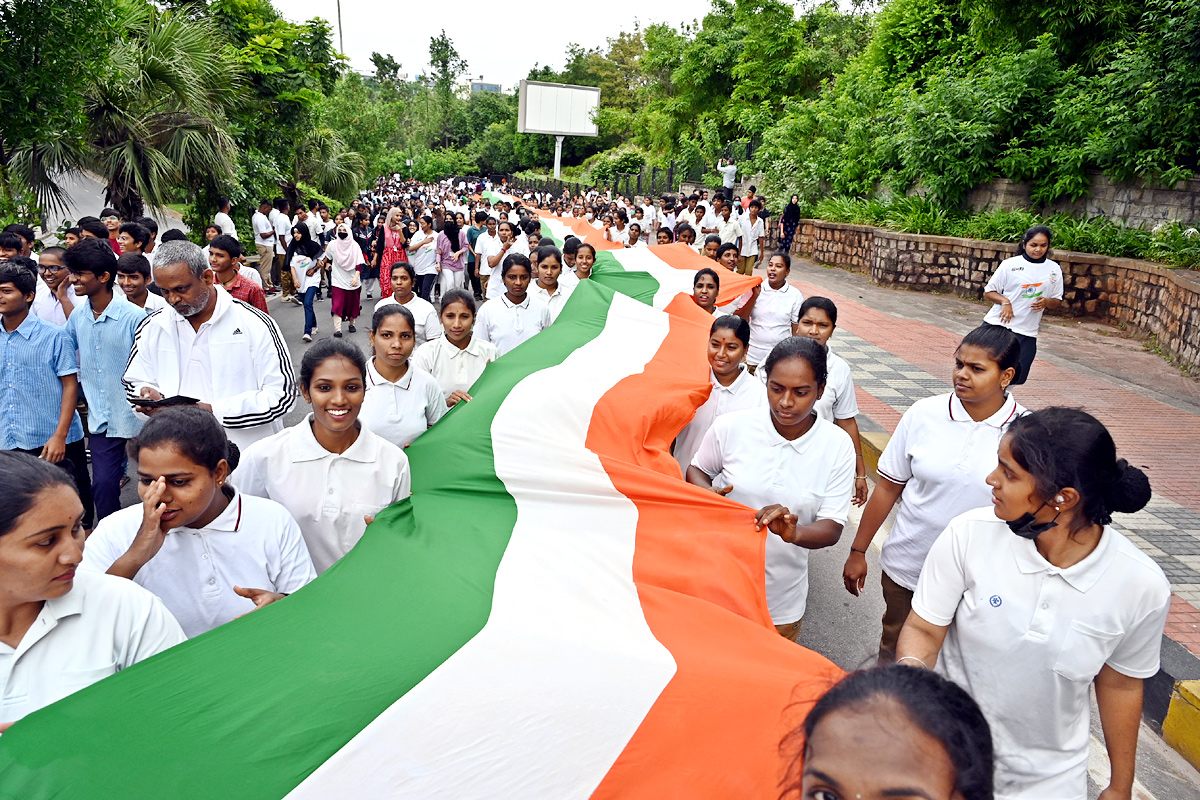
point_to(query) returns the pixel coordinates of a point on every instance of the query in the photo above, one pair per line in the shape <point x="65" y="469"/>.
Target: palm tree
<point x="155" y="119"/>
<point x="322" y="159"/>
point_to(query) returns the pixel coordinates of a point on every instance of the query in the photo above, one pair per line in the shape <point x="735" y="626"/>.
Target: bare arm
<point x="1119" y="698"/>
<point x="854" y="573"/>
<point x="1006" y="309"/>
<point x="920" y="641"/>
<point x="56" y="447"/>
<point x="850" y="426"/>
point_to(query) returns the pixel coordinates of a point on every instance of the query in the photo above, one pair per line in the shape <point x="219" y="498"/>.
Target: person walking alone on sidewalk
<point x="1023" y="287"/>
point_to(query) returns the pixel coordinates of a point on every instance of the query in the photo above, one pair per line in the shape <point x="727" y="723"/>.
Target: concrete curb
<point x="1181" y="729"/>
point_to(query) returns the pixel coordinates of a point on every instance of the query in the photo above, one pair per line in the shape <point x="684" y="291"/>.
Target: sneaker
<point x="337" y="334"/>
<point x="368" y="295"/>
<point x="352" y="328"/>
<point x="306" y="337"/>
<point x="314" y="330"/>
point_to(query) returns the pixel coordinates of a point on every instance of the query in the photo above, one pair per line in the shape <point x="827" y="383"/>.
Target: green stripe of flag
<point x="610" y="271"/>
<point x="252" y="708"/>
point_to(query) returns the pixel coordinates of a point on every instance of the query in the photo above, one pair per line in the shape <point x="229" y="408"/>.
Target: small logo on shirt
<point x="237" y="332"/>
<point x="995" y="601"/>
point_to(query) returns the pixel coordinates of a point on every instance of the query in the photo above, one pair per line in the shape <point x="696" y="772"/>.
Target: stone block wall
<point x="1131" y="204"/>
<point x="1139" y="294"/>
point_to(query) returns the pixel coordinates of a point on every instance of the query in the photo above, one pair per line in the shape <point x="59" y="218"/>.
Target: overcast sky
<point x="500" y="46"/>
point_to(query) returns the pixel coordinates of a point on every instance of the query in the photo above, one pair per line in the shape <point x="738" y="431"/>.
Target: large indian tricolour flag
<point x="553" y="614"/>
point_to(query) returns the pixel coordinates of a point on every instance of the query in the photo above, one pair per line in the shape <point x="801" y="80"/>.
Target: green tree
<point x="46" y="64"/>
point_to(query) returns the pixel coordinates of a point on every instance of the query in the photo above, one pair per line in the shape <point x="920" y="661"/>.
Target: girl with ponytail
<point x="208" y="551"/>
<point x="1030" y="602"/>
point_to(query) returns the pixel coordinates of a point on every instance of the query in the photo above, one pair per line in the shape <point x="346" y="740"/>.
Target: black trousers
<point x="1028" y="351"/>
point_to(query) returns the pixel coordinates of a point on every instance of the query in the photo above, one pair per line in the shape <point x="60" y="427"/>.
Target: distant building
<point x="469" y="86"/>
<point x="483" y="86"/>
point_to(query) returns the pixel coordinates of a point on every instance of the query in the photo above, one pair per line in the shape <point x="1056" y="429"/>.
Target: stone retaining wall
<point x="1139" y="294"/>
<point x="1133" y="204"/>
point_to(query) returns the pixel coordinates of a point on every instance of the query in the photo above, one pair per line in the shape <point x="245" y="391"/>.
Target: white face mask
<point x="589" y="216"/>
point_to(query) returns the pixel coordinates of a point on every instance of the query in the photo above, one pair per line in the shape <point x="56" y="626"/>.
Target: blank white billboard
<point x="558" y="108"/>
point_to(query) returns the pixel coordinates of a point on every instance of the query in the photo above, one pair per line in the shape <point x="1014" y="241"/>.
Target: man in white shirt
<point x="222" y="219"/>
<point x="710" y="220"/>
<point x="264" y="243"/>
<point x="729" y="229"/>
<point x="688" y="212"/>
<point x="487" y="245"/>
<point x="225" y="353"/>
<point x="754" y="233"/>
<point x="728" y="172"/>
<point x="283" y="234"/>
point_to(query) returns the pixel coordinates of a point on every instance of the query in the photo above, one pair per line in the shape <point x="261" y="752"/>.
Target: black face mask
<point x="1026" y="528"/>
<point x="342" y="234"/>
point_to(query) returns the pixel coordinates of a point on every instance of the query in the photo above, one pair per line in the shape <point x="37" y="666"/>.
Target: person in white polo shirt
<point x="938" y="460"/>
<point x="798" y="470"/>
<point x="66" y="629"/>
<point x="455" y="359"/>
<point x="1029" y="603"/>
<point x="515" y="316"/>
<point x="403" y="401"/>
<point x="733" y="387"/>
<point x="210" y="552"/>
<point x="1023" y="287"/>
<point x="330" y="472"/>
<point x="773" y="310"/>
<point x="547" y="288"/>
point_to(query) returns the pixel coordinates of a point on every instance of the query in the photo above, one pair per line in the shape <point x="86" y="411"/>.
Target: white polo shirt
<point x="254" y="543"/>
<point x="745" y="392"/>
<point x="838" y="401"/>
<point x="771" y="320"/>
<point x="943" y="458"/>
<point x="1023" y="282"/>
<point x="328" y="494"/>
<point x="425" y="316"/>
<point x="454" y="369"/>
<point x="813" y="476"/>
<point x="554" y="302"/>
<point x="100" y="627"/>
<point x="507" y="324"/>
<point x="401" y="411"/>
<point x="751" y="234"/>
<point x="1026" y="639"/>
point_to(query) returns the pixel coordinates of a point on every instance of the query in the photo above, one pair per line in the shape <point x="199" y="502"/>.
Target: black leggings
<point x="1028" y="351"/>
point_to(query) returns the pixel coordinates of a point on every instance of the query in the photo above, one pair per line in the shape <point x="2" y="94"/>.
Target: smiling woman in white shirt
<point x="773" y="309"/>
<point x="514" y="317"/>
<point x="1030" y="602"/>
<point x="938" y="460"/>
<point x="733" y="388"/>
<point x="330" y="472"/>
<point x="208" y="551"/>
<point x="796" y="469"/>
<point x="455" y="359"/>
<point x="61" y="629"/>
<point x="402" y="400"/>
<point x="425" y="316"/>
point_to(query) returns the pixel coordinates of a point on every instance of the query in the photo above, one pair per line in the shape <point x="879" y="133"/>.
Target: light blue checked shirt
<point x="104" y="344"/>
<point x="32" y="360"/>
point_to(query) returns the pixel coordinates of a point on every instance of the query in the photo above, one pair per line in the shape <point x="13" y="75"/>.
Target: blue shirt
<point x="104" y="344"/>
<point x="33" y="358"/>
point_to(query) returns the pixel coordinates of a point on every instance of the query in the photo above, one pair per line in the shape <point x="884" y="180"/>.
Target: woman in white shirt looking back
<point x="798" y="470"/>
<point x="208" y="551"/>
<point x="938" y="459"/>
<point x="330" y="472"/>
<point x="455" y="359"/>
<point x="402" y="401"/>
<point x="773" y="310"/>
<point x="64" y="629"/>
<point x="1030" y="602"/>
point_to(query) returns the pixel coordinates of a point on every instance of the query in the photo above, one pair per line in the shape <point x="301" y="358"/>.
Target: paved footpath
<point x="900" y="346"/>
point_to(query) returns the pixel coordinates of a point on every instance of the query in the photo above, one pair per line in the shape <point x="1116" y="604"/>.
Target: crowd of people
<point x="1001" y="571"/>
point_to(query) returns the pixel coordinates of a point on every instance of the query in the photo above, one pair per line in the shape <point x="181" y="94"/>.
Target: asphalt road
<point x="85" y="196"/>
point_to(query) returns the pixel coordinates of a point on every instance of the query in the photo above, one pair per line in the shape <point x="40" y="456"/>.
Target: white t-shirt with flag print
<point x="1023" y="282"/>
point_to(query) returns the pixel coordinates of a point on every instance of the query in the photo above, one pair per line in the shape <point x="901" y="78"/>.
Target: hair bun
<point x="234" y="455"/>
<point x="1130" y="490"/>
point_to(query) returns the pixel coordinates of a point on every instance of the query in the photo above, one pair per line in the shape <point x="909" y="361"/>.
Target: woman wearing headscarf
<point x="345" y="257"/>
<point x="390" y="247"/>
<point x="452" y="244"/>
<point x="789" y="220"/>
<point x="302" y="259"/>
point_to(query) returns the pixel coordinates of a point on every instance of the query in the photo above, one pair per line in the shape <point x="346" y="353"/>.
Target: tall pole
<point x="558" y="140"/>
<point x="341" y="42"/>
